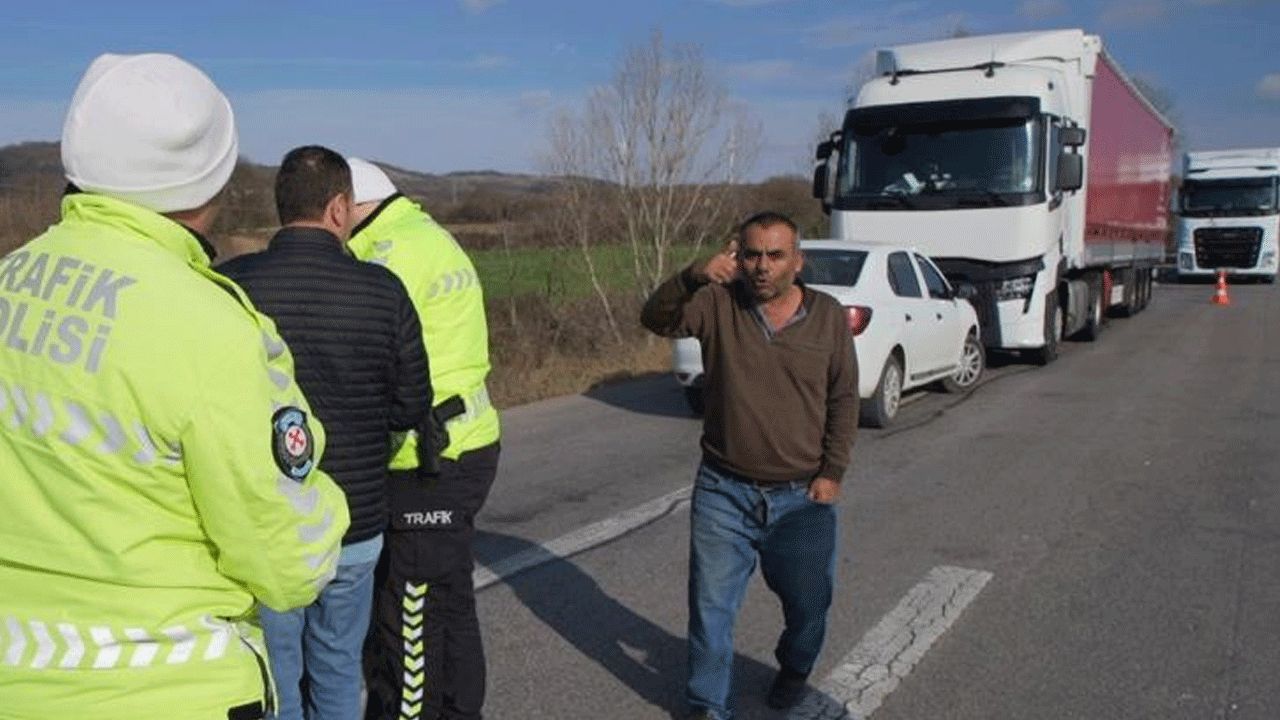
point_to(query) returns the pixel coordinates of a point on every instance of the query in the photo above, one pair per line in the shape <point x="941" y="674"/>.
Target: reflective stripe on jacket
<point x="156" y="479"/>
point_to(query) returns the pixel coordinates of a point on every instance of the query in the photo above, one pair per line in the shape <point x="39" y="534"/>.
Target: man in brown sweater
<point x="781" y="416"/>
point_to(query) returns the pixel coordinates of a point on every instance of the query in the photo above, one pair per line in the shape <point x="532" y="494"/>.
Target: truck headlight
<point x="1186" y="261"/>
<point x="1018" y="288"/>
<point x="1268" y="258"/>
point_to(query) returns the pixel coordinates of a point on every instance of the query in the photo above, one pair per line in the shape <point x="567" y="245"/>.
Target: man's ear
<point x="338" y="210"/>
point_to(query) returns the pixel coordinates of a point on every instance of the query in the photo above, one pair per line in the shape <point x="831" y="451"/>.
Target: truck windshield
<point x="934" y="160"/>
<point x="1236" y="196"/>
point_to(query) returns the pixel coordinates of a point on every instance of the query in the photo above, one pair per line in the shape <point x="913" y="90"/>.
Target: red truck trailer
<point x="1025" y="164"/>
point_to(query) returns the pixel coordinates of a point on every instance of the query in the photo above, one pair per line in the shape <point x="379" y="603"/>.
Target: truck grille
<point x="1228" y="247"/>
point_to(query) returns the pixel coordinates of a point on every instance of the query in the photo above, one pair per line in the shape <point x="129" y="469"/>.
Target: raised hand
<point x="720" y="268"/>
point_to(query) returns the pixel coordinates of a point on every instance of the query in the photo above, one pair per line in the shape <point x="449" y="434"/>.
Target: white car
<point x="910" y="327"/>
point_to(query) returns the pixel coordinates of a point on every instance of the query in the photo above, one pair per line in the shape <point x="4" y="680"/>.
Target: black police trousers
<point x="424" y="658"/>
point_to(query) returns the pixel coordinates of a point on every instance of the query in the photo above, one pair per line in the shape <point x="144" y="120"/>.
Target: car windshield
<point x="1229" y="197"/>
<point x="832" y="267"/>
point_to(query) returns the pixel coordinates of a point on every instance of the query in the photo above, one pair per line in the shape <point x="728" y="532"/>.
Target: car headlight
<point x="1018" y="288"/>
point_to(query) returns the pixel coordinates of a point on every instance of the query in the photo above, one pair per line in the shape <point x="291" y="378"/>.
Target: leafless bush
<point x="562" y="348"/>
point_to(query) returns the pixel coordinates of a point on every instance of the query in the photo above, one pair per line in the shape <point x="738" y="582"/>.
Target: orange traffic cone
<point x="1220" y="296"/>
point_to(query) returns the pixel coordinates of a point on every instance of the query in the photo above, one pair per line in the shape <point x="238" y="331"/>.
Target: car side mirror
<point x="965" y="291"/>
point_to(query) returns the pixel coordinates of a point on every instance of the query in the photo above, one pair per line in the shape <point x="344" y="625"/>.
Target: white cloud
<point x="1134" y="13"/>
<point x="888" y="28"/>
<point x="1269" y="87"/>
<point x="534" y="101"/>
<point x="761" y="71"/>
<point x="479" y="6"/>
<point x="747" y="3"/>
<point x="1042" y="9"/>
<point x="1206" y="127"/>
<point x="787" y="125"/>
<point x="486" y="62"/>
<point x="427" y="129"/>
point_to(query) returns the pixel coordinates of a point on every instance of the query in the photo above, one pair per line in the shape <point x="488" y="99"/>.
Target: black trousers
<point x="424" y="657"/>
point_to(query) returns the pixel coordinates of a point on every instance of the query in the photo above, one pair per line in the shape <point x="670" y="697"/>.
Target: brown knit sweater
<point x="778" y="408"/>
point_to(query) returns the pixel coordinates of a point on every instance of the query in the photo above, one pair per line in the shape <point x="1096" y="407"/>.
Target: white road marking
<point x="584" y="538"/>
<point x="888" y="653"/>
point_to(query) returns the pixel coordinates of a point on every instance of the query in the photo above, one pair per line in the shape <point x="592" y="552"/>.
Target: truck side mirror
<point x="1070" y="171"/>
<point x="820" y="180"/>
<point x="1071" y="136"/>
<point x="823" y="172"/>
<point x="826" y="147"/>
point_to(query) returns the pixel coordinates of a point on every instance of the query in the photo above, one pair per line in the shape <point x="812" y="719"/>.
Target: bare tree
<point x="578" y="224"/>
<point x="669" y="145"/>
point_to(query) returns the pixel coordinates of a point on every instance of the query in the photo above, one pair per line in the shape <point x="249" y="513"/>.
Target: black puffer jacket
<point x="357" y="346"/>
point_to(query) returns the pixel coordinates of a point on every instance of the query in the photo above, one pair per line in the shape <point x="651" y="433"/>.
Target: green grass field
<point x="560" y="274"/>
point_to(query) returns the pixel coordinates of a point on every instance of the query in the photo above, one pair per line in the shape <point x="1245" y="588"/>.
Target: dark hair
<point x="309" y="177"/>
<point x="767" y="219"/>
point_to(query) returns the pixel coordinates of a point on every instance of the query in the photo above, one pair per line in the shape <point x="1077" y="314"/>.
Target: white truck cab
<point x="1229" y="214"/>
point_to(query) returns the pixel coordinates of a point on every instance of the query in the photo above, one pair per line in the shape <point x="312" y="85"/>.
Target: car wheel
<point x="693" y="396"/>
<point x="973" y="360"/>
<point x="883" y="405"/>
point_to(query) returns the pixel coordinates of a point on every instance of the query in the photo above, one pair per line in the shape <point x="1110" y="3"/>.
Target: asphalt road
<point x="1123" y="499"/>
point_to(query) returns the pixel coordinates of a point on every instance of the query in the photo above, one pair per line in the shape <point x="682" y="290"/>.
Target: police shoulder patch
<point x="292" y="442"/>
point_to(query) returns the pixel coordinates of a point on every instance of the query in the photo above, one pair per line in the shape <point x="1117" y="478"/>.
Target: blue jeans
<point x="794" y="537"/>
<point x="322" y="641"/>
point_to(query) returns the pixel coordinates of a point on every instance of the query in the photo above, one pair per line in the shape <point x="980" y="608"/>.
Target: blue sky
<point x="441" y="85"/>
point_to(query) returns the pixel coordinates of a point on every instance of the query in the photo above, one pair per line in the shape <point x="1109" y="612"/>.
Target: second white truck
<point x="1229" y="214"/>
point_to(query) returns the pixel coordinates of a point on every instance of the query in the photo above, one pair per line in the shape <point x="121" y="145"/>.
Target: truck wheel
<point x="693" y="396"/>
<point x="973" y="360"/>
<point x="1128" y="307"/>
<point x="1053" y="320"/>
<point x="1092" y="329"/>
<point x="882" y="407"/>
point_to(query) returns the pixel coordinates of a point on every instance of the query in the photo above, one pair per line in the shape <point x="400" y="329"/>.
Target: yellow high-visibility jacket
<point x="446" y="293"/>
<point x="157" y="474"/>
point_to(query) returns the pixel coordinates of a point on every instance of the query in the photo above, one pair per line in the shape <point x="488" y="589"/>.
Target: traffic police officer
<point x="158" y="460"/>
<point x="425" y="657"/>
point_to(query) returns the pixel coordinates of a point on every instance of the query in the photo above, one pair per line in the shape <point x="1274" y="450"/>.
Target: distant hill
<point x="468" y="202"/>
<point x="32" y="163"/>
<point x="40" y="163"/>
<point x="452" y="186"/>
<point x="482" y="208"/>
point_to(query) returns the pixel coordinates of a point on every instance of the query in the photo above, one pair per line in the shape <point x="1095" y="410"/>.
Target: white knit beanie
<point x="369" y="182"/>
<point x="149" y="129"/>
